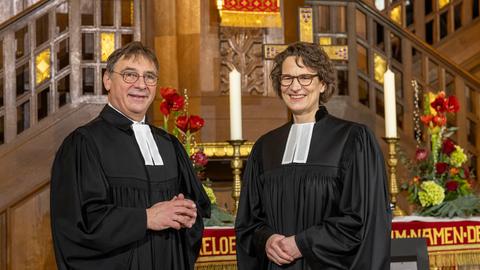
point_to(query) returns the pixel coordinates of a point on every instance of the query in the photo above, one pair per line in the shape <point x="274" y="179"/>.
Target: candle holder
<point x="392" y="170"/>
<point x="236" y="165"/>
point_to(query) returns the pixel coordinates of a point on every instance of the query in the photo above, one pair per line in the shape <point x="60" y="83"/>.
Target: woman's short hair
<point x="132" y="49"/>
<point x="313" y="57"/>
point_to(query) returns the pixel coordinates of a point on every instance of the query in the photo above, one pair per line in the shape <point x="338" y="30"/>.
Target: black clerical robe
<point x="336" y="204"/>
<point x="99" y="192"/>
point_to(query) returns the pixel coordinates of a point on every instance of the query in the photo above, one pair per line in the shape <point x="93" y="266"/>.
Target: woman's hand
<point x="274" y="251"/>
<point x="290" y="247"/>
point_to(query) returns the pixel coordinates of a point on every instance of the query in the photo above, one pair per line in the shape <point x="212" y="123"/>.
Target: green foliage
<point x="219" y="217"/>
<point x="462" y="206"/>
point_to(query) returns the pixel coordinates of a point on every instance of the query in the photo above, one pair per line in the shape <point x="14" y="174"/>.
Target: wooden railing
<point x="374" y="43"/>
<point x="54" y="53"/>
<point x="431" y="20"/>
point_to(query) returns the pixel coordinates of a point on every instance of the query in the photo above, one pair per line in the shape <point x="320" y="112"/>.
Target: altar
<point x="450" y="242"/>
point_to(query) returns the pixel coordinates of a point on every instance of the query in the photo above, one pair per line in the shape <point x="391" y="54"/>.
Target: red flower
<point x="196" y="123"/>
<point x="173" y="102"/>
<point x="167" y="92"/>
<point x="199" y="158"/>
<point x="439" y="104"/>
<point x="177" y="102"/>
<point x="164" y="108"/>
<point x="182" y="123"/>
<point x="441" y="167"/>
<point x="426" y="119"/>
<point x="421" y="154"/>
<point x="439" y="120"/>
<point x="451" y="185"/>
<point x="448" y="147"/>
<point x="193" y="123"/>
<point x="452" y="104"/>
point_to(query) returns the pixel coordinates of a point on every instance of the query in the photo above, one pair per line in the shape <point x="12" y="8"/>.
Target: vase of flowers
<point x="174" y="108"/>
<point x="441" y="183"/>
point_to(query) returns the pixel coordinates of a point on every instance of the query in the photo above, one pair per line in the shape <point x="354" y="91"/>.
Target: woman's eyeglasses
<point x="303" y="79"/>
<point x="132" y="77"/>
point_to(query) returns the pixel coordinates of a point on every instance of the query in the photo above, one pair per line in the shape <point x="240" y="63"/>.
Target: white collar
<point x="298" y="143"/>
<point x="145" y="140"/>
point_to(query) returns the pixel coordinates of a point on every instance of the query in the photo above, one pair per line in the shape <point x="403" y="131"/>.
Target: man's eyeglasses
<point x="303" y="79"/>
<point x="132" y="77"/>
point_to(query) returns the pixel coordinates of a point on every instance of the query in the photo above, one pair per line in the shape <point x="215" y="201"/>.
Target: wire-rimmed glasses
<point x="132" y="77"/>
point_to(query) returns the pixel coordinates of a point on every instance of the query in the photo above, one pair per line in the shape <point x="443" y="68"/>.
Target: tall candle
<point x="390" y="104"/>
<point x="235" y="106"/>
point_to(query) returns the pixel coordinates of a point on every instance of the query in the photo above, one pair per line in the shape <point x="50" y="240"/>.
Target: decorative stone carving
<point x="241" y="48"/>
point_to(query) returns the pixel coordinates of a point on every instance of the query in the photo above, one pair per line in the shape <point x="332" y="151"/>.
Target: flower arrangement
<point x="174" y="108"/>
<point x="441" y="184"/>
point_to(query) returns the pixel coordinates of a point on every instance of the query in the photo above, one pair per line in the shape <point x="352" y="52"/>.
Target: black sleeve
<point x="192" y="188"/>
<point x="252" y="230"/>
<point x="85" y="223"/>
<point x="359" y="235"/>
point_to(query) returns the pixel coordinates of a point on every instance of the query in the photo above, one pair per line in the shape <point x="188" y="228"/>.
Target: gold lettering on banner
<point x="458" y="235"/>
<point x="471" y="234"/>
<point x="478" y="233"/>
<point x="442" y="236"/>
<point x="232" y="244"/>
<point x="427" y="233"/>
<point x="205" y="244"/>
<point x="437" y="234"/>
<point x="415" y="234"/>
<point x="214" y="246"/>
<point x="446" y="236"/>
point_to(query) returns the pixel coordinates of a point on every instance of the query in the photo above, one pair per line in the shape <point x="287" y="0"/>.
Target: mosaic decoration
<point x="396" y="14"/>
<point x="443" y="3"/>
<point x="306" y="24"/>
<point x="42" y="66"/>
<point x="250" y="13"/>
<point x="336" y="52"/>
<point x="107" y="43"/>
<point x="380" y="67"/>
<point x="271" y="50"/>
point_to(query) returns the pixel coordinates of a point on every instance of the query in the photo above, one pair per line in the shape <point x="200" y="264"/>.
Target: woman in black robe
<point x="314" y="192"/>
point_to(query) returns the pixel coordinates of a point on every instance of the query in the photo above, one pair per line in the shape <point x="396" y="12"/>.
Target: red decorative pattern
<point x="251" y="5"/>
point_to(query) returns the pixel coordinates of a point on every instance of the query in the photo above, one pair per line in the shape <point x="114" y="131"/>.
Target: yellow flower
<point x="432" y="97"/>
<point x="458" y="157"/>
<point x="210" y="194"/>
<point x="432" y="194"/>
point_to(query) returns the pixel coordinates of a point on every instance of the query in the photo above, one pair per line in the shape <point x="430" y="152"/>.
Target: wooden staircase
<point x="373" y="41"/>
<point x="25" y="167"/>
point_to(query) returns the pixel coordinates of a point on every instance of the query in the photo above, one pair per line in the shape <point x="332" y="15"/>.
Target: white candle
<point x="390" y="104"/>
<point x="235" y="106"/>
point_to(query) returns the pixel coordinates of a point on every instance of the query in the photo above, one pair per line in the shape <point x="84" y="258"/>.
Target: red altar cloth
<point x="218" y="248"/>
<point x="451" y="242"/>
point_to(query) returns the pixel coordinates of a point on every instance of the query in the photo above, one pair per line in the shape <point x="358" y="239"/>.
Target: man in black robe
<point x="314" y="194"/>
<point x="124" y="194"/>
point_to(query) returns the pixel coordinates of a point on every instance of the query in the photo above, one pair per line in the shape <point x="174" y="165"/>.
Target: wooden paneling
<point x="3" y="241"/>
<point x="30" y="239"/>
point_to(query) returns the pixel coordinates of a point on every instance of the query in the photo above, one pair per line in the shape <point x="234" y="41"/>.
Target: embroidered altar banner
<point x="218" y="249"/>
<point x="250" y="13"/>
<point x="450" y="242"/>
